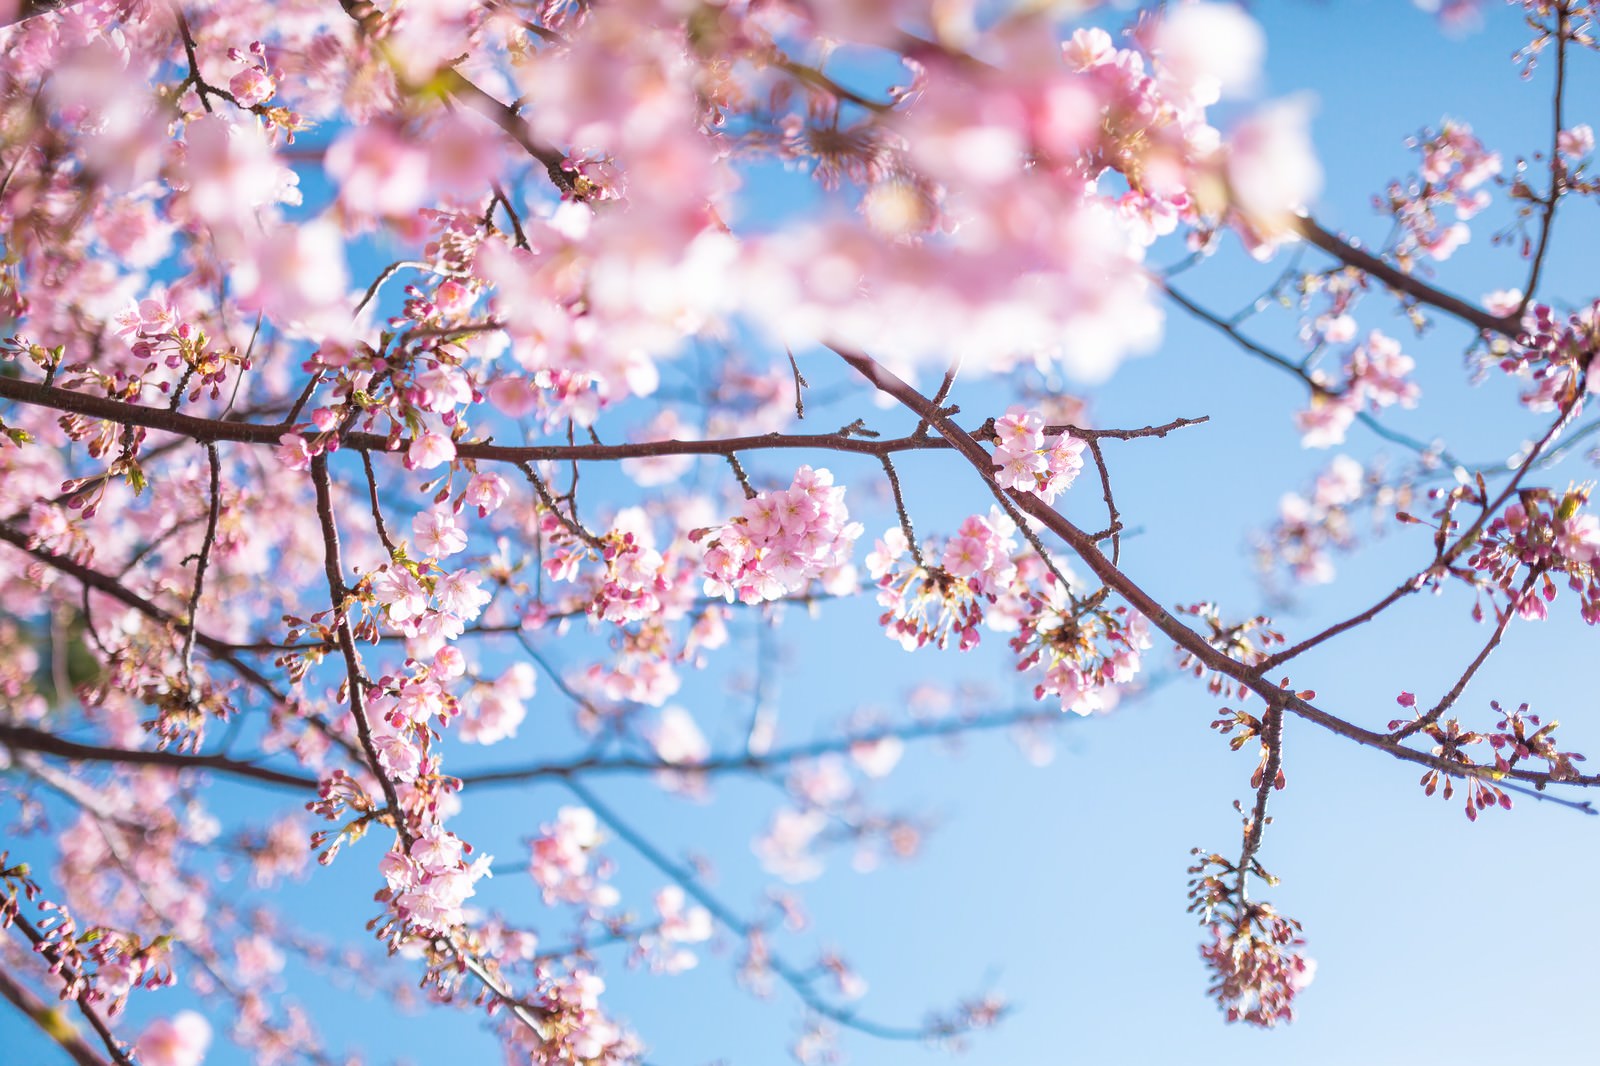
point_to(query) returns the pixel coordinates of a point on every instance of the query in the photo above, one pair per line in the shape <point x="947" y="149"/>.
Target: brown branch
<point x="1272" y="765"/>
<point x="93" y="579"/>
<point x="27" y="738"/>
<point x="85" y="1006"/>
<point x="203" y="558"/>
<point x="377" y="510"/>
<point x="1442" y="560"/>
<point x="369" y="19"/>
<point x="821" y="82"/>
<point x="1162" y="619"/>
<point x="333" y="567"/>
<point x="756" y="763"/>
<point x="206" y="429"/>
<point x="1113" y="516"/>
<point x="1558" y="167"/>
<point x="1449" y="698"/>
<point x="1418" y="290"/>
<point x="46" y="1018"/>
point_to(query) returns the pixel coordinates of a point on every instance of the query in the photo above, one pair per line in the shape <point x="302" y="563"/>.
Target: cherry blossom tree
<point x="385" y="379"/>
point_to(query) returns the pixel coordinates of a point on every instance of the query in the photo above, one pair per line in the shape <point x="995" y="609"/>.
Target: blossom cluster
<point x="1085" y="649"/>
<point x="1025" y="463"/>
<point x="1541" y="535"/>
<point x="782" y="541"/>
<point x="431" y="880"/>
<point x="562" y="863"/>
<point x="928" y="603"/>
<point x="431" y="605"/>
<point x="1556" y="354"/>
<point x="1310" y="527"/>
<point x="678" y="925"/>
<point x="1257" y="971"/>
<point x="1375" y="376"/>
<point x="1455" y="166"/>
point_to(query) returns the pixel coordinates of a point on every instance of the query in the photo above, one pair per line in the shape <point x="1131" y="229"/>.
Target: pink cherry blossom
<point x="430" y="450"/>
<point x="438" y="534"/>
<point x="181" y="1040"/>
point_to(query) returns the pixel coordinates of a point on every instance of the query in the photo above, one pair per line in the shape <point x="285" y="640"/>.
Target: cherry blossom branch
<point x="1441" y="562"/>
<point x="49" y="1021"/>
<point x="203" y="558"/>
<point x="203" y="89"/>
<point x="1158" y="616"/>
<point x="262" y="434"/>
<point x="761" y="762"/>
<point x="1298" y="371"/>
<point x="1449" y="698"/>
<point x="900" y="509"/>
<point x="27" y="738"/>
<point x="1558" y="167"/>
<point x="105" y="820"/>
<point x="221" y="650"/>
<point x="1113" y="517"/>
<point x="377" y="510"/>
<point x="94" y="579"/>
<point x="369" y="19"/>
<point x="817" y="80"/>
<point x="338" y="595"/>
<point x="1420" y="291"/>
<point x="86" y="1007"/>
<point x="939" y="397"/>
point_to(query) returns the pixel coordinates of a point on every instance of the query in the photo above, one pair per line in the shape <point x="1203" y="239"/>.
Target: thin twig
<point x="202" y="560"/>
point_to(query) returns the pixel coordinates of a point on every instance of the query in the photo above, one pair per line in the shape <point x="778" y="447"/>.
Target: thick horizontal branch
<point x="26" y="738"/>
<point x="205" y="429"/>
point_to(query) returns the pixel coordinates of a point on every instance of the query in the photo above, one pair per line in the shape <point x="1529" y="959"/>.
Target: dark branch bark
<point x="26" y="738"/>
<point x="1404" y="283"/>
<point x="205" y="429"/>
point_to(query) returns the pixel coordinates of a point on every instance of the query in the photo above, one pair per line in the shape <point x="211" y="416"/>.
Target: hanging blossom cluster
<point x="928" y="602"/>
<point x="1310" y="528"/>
<point x="782" y="541"/>
<point x="1536" y="540"/>
<point x="1257" y="971"/>
<point x="1455" y="167"/>
<point x="1085" y="649"/>
<point x="1376" y="375"/>
<point x="1255" y="958"/>
<point x="1556" y="355"/>
<point x="430" y="881"/>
